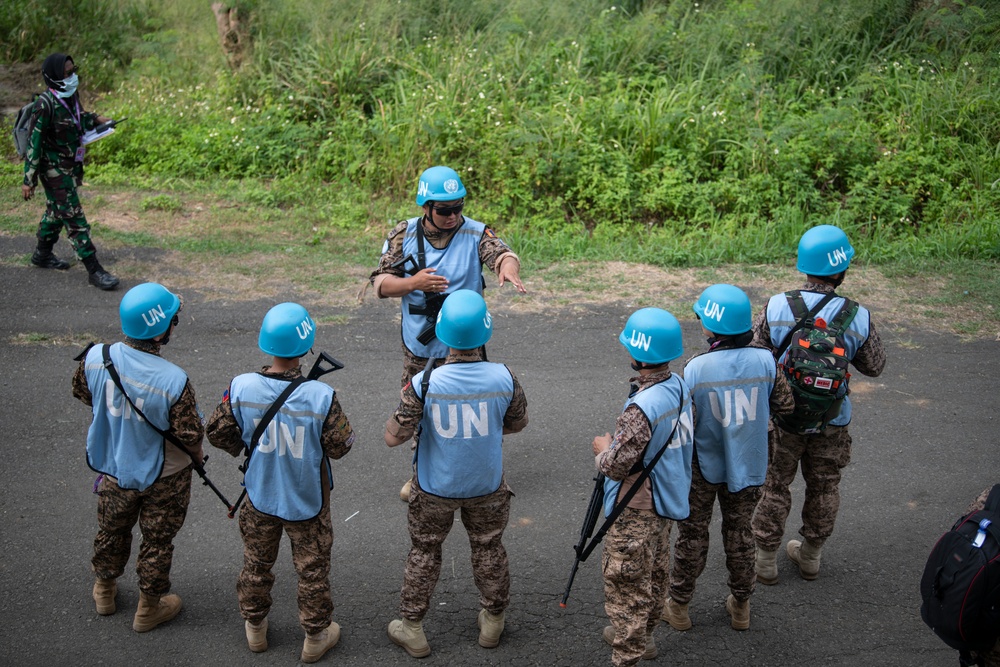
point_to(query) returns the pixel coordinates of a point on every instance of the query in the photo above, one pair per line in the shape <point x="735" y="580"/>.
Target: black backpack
<point x="25" y="121"/>
<point x="961" y="583"/>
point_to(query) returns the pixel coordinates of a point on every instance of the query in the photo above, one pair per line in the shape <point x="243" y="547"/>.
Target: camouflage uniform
<point x="311" y="540"/>
<point x="636" y="558"/>
<point x="992" y="657"/>
<point x="160" y="510"/>
<point x="51" y="158"/>
<point x="492" y="252"/>
<point x="823" y="455"/>
<point x="431" y="517"/>
<point x="691" y="548"/>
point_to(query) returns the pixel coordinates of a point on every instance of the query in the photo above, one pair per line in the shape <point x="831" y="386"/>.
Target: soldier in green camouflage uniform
<point x="55" y="156"/>
<point x="159" y="509"/>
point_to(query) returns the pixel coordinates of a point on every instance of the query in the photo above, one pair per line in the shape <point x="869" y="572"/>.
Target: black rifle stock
<point x="582" y="549"/>
<point x="432" y="302"/>
<point x="324" y="364"/>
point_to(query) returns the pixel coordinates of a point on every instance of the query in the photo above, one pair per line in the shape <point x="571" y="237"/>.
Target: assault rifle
<point x="582" y="549"/>
<point x="432" y="302"/>
<point x="324" y="364"/>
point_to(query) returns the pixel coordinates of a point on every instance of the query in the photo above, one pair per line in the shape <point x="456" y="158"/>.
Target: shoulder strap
<point x="844" y="317"/>
<point x="113" y="372"/>
<point x="421" y="255"/>
<point x="425" y="381"/>
<point x="627" y="498"/>
<point x="795" y="301"/>
<point x="272" y="410"/>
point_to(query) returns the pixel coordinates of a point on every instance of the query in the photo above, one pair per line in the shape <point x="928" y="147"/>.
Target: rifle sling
<point x="166" y="435"/>
<point x="627" y="498"/>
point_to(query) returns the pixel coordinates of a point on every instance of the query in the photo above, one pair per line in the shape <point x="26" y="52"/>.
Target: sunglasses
<point x="446" y="211"/>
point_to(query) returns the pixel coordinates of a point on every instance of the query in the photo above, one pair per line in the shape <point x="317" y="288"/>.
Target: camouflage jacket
<point x="55" y="138"/>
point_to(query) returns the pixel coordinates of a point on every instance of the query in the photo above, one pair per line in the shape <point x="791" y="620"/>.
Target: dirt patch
<point x="18" y="82"/>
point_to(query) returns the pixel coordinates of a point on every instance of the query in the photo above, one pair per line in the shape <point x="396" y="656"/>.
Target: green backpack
<point x="816" y="366"/>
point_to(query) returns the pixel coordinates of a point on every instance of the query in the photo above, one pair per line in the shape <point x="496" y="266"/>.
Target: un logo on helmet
<point x="451" y="186"/>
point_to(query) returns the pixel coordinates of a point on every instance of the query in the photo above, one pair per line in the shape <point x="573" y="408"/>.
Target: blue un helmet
<point x="724" y="309"/>
<point x="147" y="310"/>
<point x="464" y="323"/>
<point x="439" y="184"/>
<point x="287" y="331"/>
<point x="824" y="251"/>
<point x="652" y="336"/>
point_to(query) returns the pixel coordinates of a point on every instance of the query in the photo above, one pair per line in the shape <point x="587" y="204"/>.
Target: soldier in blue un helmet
<point x="143" y="478"/>
<point x="821" y="444"/>
<point x="736" y="387"/>
<point x="460" y="411"/>
<point x="657" y="420"/>
<point x="288" y="477"/>
<point x="430" y="256"/>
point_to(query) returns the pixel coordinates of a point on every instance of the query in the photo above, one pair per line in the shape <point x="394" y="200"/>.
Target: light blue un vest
<point x="671" y="477"/>
<point x="119" y="442"/>
<point x="458" y="262"/>
<point x="781" y="320"/>
<point x="283" y="478"/>
<point x="732" y="390"/>
<point x="459" y="453"/>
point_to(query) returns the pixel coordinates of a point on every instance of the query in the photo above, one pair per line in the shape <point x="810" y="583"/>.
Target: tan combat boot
<point x="739" y="612"/>
<point x="104" y="596"/>
<point x="315" y="646"/>
<point x="404" y="493"/>
<point x="410" y="635"/>
<point x="155" y="610"/>
<point x="676" y="614"/>
<point x="490" y="628"/>
<point x="767" y="567"/>
<point x="806" y="556"/>
<point x="608" y="634"/>
<point x="257" y="636"/>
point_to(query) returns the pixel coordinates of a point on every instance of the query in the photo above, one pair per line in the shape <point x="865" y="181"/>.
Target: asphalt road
<point x="925" y="444"/>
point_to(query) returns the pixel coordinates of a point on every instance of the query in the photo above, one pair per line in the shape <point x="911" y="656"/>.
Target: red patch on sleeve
<point x="489" y="232"/>
<point x="225" y="396"/>
<point x="408" y="385"/>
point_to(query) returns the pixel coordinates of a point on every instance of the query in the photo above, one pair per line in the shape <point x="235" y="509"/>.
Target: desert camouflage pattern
<point x="691" y="548"/>
<point x="636" y="566"/>
<point x="823" y="455"/>
<point x="430" y="519"/>
<point x="311" y="542"/>
<point x="160" y="511"/>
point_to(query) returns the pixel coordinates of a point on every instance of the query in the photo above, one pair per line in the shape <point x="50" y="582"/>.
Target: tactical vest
<point x="284" y="475"/>
<point x="458" y="262"/>
<point x="119" y="442"/>
<point x="671" y="477"/>
<point x="781" y="320"/>
<point x="732" y="391"/>
<point x="459" y="454"/>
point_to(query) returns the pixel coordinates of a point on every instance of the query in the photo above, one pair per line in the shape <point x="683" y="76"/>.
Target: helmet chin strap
<point x="429" y="217"/>
<point x="641" y="366"/>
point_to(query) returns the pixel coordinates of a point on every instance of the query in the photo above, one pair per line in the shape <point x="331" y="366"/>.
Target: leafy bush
<point x="681" y="128"/>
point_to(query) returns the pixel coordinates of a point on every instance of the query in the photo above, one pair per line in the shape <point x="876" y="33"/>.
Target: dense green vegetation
<point x="662" y="131"/>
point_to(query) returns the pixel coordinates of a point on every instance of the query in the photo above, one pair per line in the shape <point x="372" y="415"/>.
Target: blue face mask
<point x="70" y="85"/>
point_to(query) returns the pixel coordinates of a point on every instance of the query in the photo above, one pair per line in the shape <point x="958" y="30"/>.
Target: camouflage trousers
<point x="823" y="456"/>
<point x="160" y="511"/>
<point x="636" y="564"/>
<point x="430" y="519"/>
<point x="63" y="209"/>
<point x="691" y="548"/>
<point x="311" y="542"/>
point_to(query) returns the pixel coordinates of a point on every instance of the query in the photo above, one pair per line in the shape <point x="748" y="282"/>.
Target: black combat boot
<point x="99" y="278"/>
<point x="43" y="257"/>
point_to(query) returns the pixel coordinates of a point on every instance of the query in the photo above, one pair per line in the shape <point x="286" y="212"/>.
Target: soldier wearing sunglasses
<point x="430" y="256"/>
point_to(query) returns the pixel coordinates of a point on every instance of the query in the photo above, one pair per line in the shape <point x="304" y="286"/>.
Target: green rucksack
<point x="816" y="366"/>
